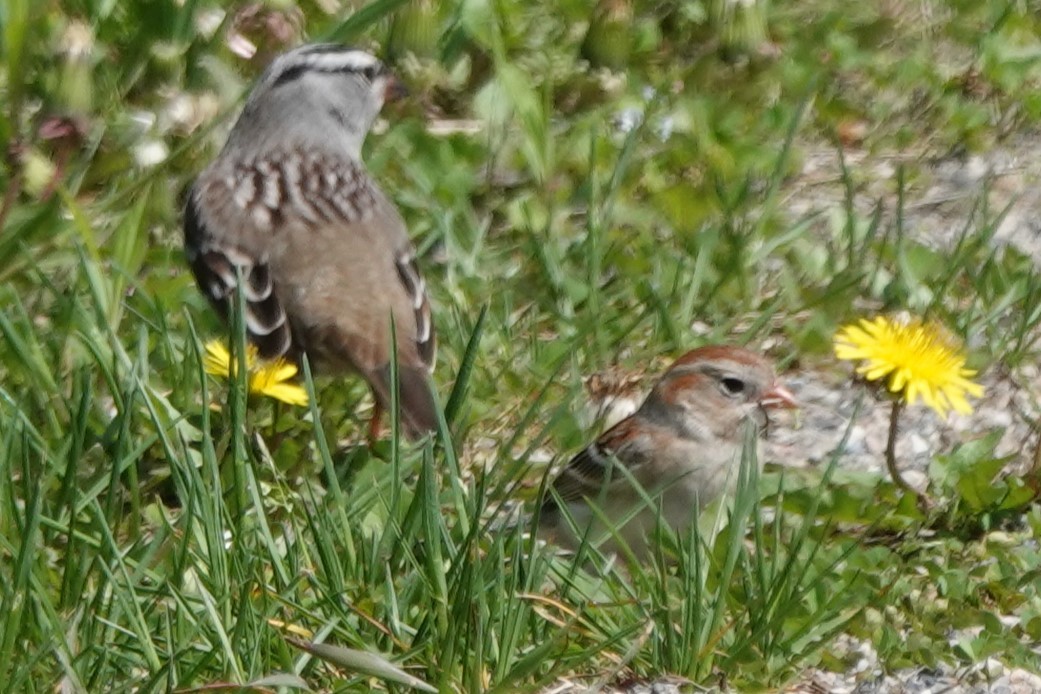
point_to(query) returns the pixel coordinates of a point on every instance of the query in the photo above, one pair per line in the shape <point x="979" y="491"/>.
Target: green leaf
<point x="361" y="661"/>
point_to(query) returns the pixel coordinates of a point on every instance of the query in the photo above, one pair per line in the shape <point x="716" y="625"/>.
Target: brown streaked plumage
<point x="325" y="258"/>
<point x="682" y="446"/>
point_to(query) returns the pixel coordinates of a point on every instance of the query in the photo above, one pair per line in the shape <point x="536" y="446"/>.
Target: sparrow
<point x="683" y="446"/>
<point x="326" y="265"/>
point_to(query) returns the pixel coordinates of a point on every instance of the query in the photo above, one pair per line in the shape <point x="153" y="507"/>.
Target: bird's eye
<point x="371" y="72"/>
<point x="732" y="386"/>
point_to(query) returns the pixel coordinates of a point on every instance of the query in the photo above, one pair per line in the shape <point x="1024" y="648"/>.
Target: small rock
<point x="1023" y="682"/>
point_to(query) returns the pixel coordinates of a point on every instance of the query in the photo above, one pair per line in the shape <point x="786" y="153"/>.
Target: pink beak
<point x="394" y="91"/>
<point x="778" y="397"/>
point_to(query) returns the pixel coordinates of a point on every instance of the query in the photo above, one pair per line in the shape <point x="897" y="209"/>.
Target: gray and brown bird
<point x="326" y="263"/>
<point x="683" y="446"/>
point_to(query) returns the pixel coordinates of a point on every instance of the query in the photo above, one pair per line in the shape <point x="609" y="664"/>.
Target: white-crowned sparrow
<point x="325" y="258"/>
<point x="683" y="446"/>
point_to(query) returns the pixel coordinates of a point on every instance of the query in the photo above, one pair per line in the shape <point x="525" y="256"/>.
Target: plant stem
<point x="894" y="472"/>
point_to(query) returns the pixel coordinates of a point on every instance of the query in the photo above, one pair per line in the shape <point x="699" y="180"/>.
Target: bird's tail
<point x="415" y="398"/>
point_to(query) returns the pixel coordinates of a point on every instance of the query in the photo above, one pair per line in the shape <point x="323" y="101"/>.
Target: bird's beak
<point x="778" y="397"/>
<point x="393" y="90"/>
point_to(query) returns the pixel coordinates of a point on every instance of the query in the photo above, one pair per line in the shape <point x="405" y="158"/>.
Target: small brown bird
<point x="683" y="446"/>
<point x="325" y="258"/>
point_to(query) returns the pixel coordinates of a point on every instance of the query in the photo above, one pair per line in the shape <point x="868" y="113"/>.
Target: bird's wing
<point x="219" y="257"/>
<point x="325" y="259"/>
<point x="595" y="468"/>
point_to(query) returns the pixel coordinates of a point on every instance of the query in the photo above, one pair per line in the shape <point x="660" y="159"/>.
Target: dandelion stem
<point x="1035" y="466"/>
<point x="894" y="471"/>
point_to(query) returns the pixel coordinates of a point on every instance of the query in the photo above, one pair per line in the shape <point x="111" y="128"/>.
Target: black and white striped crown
<point x="326" y="58"/>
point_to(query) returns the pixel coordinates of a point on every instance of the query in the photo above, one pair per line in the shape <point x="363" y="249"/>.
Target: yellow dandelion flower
<point x="217" y="361"/>
<point x="918" y="359"/>
<point x="273" y="379"/>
